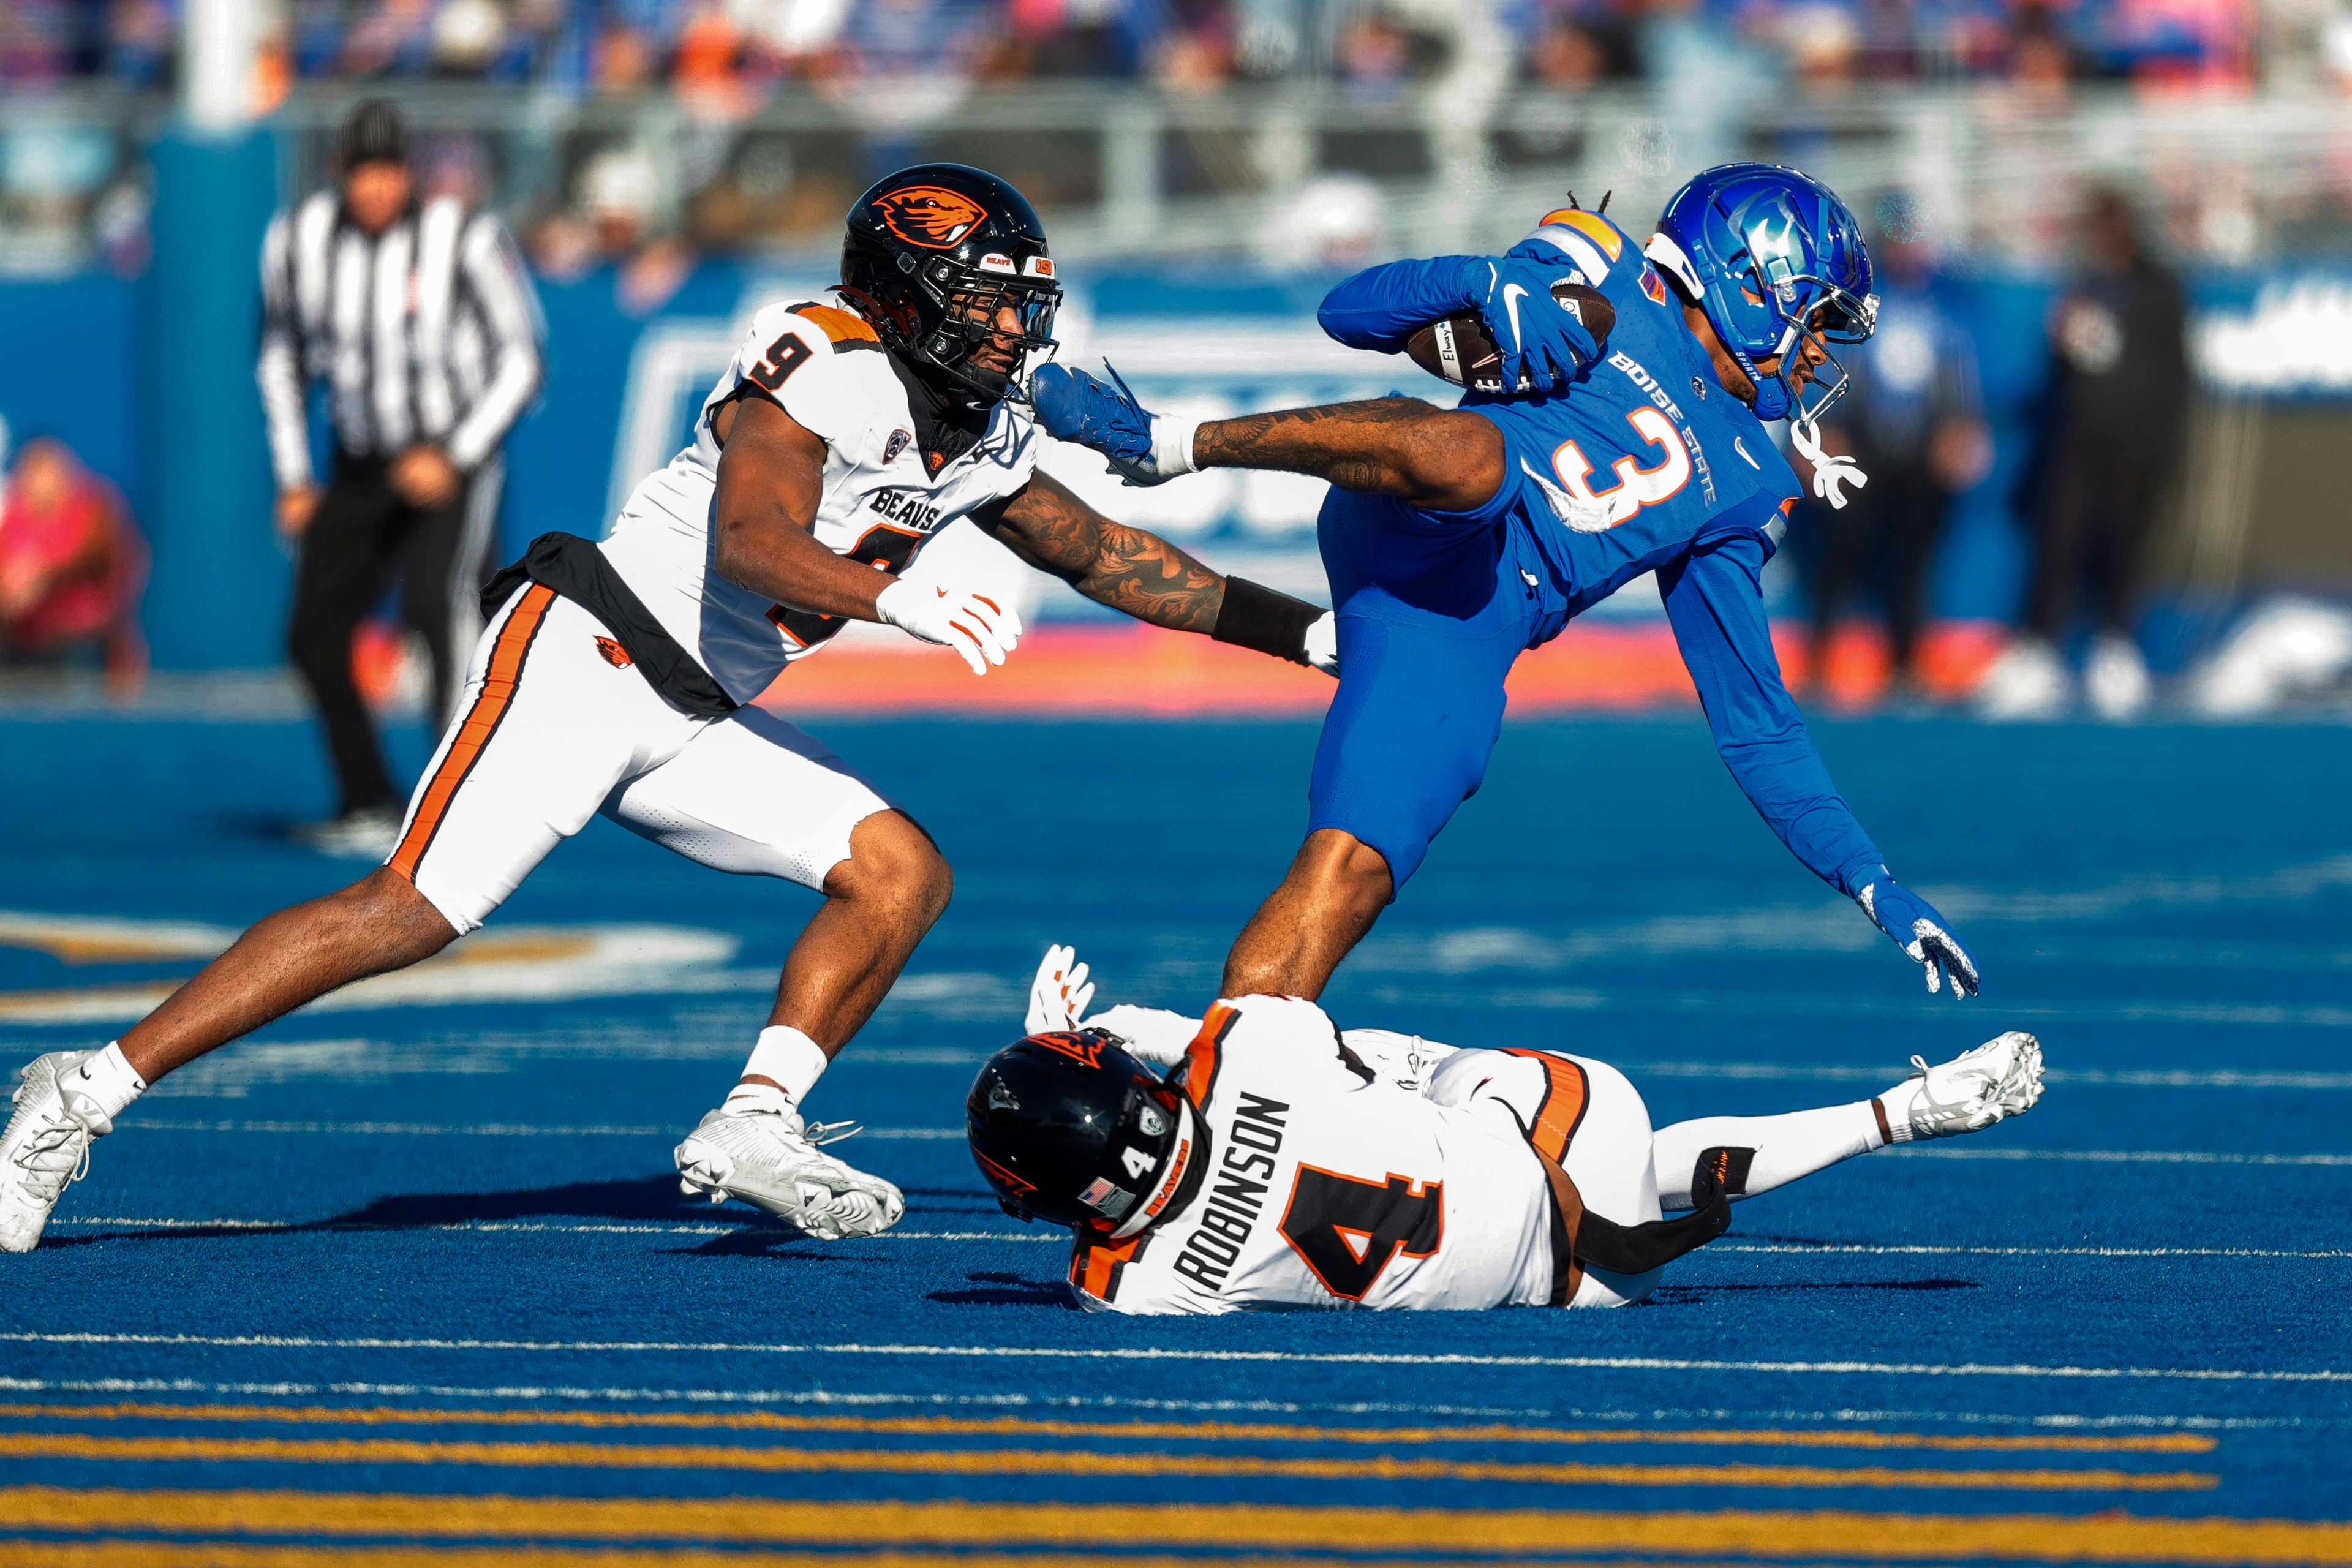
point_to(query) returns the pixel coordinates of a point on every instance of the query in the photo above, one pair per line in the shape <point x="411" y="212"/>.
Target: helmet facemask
<point x="1812" y="309"/>
<point x="940" y="313"/>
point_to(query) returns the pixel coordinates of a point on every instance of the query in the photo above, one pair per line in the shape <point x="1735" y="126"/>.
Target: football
<point x="1458" y="349"/>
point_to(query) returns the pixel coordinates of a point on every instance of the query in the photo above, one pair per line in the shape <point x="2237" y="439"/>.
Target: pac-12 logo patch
<point x="895" y="444"/>
<point x="614" y="654"/>
<point x="930" y="215"/>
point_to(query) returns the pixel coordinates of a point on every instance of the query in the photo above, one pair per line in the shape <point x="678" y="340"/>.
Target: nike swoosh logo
<point x="1512" y="295"/>
<point x="1744" y="456"/>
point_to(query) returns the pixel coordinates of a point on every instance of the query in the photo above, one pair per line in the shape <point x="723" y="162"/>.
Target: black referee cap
<point x="373" y="133"/>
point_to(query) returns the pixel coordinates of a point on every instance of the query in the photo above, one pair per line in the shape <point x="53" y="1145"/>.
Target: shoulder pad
<point x="1587" y="238"/>
<point x="846" y="330"/>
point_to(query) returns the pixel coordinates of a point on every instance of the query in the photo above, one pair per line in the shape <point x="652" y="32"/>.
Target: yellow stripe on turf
<point x="1045" y="1462"/>
<point x="224" y="1554"/>
<point x="1201" y="1431"/>
<point x="1783" y="1535"/>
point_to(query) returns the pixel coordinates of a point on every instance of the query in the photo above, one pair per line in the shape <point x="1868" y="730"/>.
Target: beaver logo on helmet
<point x="930" y="215"/>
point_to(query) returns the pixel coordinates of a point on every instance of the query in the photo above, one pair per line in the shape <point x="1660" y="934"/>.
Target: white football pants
<point x="556" y="725"/>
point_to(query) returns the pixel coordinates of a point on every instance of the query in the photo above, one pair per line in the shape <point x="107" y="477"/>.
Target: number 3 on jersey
<point x="1348" y="1230"/>
<point x="1636" y="486"/>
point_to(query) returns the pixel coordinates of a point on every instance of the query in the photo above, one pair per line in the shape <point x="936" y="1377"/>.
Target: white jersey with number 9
<point x="880" y="504"/>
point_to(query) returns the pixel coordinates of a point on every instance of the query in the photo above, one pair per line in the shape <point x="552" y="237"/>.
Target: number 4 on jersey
<point x="1347" y="1229"/>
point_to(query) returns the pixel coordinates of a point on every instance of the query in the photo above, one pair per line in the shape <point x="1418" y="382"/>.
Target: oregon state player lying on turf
<point x="1285" y="1164"/>
<point x="617" y="677"/>
<point x="1455" y="539"/>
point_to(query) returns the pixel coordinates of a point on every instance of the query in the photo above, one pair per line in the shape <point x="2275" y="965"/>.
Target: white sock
<point x="1787" y="1147"/>
<point x="788" y="1057"/>
<point x="106" y="1077"/>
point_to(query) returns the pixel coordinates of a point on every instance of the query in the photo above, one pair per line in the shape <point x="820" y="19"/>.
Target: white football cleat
<point x="45" y="1150"/>
<point x="1998" y="1079"/>
<point x="771" y="1159"/>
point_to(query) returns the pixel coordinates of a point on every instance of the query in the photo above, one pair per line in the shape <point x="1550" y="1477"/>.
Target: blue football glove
<point x="1920" y="931"/>
<point x="1142" y="448"/>
<point x="1542" y="342"/>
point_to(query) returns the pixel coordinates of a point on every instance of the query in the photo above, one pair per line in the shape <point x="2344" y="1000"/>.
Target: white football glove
<point x="1154" y="1034"/>
<point x="1060" y="994"/>
<point x="973" y="623"/>
<point x="1323" y="643"/>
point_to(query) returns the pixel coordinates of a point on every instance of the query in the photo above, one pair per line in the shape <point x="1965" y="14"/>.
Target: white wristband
<point x="1172" y="445"/>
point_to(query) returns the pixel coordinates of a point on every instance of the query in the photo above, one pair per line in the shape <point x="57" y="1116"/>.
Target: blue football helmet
<point x="1769" y="253"/>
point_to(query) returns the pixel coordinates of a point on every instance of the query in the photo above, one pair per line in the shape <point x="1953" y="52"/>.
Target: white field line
<point x="944" y="1134"/>
<point x="829" y="1397"/>
<point x="658" y="1229"/>
<point x="495" y="1130"/>
<point x="1823" y="1072"/>
<point x="1170" y="1354"/>
<point x="655" y="1227"/>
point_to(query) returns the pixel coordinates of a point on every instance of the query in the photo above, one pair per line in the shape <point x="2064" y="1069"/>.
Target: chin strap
<point x="1829" y="473"/>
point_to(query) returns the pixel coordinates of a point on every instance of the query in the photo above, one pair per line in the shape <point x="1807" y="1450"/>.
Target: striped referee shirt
<point x="428" y="331"/>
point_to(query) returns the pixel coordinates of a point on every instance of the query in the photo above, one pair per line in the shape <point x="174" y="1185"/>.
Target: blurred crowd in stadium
<point x="736" y="50"/>
<point x="2082" y="154"/>
<point x="771" y="113"/>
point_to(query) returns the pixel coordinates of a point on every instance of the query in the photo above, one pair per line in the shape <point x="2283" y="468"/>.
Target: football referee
<point x="422" y="324"/>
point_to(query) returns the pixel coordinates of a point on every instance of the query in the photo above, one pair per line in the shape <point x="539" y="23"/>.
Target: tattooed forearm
<point x="1233" y="443"/>
<point x="1128" y="569"/>
<point x="1151" y="579"/>
<point x="1389" y="446"/>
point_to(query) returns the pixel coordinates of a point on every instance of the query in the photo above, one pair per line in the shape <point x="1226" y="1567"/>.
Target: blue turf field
<point x="429" y="1248"/>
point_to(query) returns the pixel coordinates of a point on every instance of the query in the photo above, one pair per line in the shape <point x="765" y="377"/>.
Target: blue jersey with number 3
<point x="1645" y="459"/>
<point x="1644" y="464"/>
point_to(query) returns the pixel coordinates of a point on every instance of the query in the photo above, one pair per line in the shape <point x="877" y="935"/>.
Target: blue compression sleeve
<point x="1717" y="609"/>
<point x="1380" y="306"/>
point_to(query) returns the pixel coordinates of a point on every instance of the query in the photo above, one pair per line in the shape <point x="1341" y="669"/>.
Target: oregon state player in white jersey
<point x="1283" y="1162"/>
<point x="619" y="677"/>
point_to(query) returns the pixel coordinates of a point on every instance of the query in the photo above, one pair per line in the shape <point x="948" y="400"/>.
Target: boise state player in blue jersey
<point x="1455" y="539"/>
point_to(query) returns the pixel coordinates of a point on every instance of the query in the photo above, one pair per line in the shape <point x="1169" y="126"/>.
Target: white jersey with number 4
<point x="1328" y="1185"/>
<point x="880" y="504"/>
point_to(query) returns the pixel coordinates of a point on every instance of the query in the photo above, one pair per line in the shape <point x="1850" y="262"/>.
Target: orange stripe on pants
<point x="1563" y="1111"/>
<point x="475" y="730"/>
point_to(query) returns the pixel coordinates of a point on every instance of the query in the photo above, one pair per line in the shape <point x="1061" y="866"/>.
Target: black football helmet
<point x="1069" y="1129"/>
<point x="933" y="254"/>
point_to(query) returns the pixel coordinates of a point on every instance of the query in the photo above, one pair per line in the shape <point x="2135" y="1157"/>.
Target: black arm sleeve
<point x="1255" y="616"/>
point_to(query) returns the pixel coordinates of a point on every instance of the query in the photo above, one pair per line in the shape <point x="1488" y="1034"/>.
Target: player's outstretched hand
<point x="1922" y="932"/>
<point x="1060" y="994"/>
<point x="1143" y="448"/>
<point x="973" y="624"/>
<point x="1539" y="338"/>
